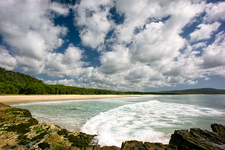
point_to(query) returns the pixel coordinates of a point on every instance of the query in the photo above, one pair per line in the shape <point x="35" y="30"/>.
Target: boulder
<point x="138" y="145"/>
<point x="219" y="129"/>
<point x="197" y="139"/>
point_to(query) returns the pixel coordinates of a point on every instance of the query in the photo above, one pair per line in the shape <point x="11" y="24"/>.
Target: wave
<point x="151" y="121"/>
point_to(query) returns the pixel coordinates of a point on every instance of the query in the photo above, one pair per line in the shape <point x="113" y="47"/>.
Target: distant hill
<point x="195" y="91"/>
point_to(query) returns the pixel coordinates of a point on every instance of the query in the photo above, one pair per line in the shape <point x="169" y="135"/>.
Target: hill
<point x="17" y="83"/>
<point x="195" y="91"/>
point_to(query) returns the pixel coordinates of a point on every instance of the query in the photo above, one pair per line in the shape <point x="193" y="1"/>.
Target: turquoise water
<point x="115" y="120"/>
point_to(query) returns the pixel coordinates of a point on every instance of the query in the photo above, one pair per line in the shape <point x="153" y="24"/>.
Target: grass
<point x="38" y="129"/>
<point x="59" y="146"/>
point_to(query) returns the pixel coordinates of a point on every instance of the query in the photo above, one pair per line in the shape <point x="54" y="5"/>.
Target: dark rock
<point x="110" y="148"/>
<point x="158" y="146"/>
<point x="133" y="145"/>
<point x="23" y="140"/>
<point x="106" y="148"/>
<point x="63" y="132"/>
<point x="39" y="136"/>
<point x="44" y="145"/>
<point x="22" y="128"/>
<point x="196" y="139"/>
<point x="81" y="140"/>
<point x="219" y="129"/>
<point x="206" y="135"/>
<point x="137" y="145"/>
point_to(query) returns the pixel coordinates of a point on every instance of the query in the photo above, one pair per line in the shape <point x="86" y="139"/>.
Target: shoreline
<point x="19" y="130"/>
<point x="9" y="99"/>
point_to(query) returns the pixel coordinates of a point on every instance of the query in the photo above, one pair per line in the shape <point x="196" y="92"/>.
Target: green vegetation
<point x="59" y="146"/>
<point x="17" y="83"/>
<point x="38" y="129"/>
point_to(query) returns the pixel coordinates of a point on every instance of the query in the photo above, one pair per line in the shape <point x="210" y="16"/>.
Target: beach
<point x="143" y="118"/>
<point x="35" y="98"/>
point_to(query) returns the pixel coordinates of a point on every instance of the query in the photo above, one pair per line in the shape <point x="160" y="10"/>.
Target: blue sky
<point x="138" y="45"/>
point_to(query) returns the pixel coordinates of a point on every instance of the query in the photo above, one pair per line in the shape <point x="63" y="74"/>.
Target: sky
<point x="122" y="45"/>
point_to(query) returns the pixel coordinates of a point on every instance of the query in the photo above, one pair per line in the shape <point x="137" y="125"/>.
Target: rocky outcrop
<point x="219" y="129"/>
<point x="19" y="131"/>
<point x="138" y="145"/>
<point x="198" y="139"/>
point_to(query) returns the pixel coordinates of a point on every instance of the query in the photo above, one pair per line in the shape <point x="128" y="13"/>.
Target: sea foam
<point x="144" y="121"/>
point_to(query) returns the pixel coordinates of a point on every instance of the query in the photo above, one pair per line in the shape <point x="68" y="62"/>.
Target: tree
<point x="35" y="88"/>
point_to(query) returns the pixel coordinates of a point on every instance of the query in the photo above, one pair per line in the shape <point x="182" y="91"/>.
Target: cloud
<point x="72" y="55"/>
<point x="154" y="47"/>
<point x="205" y="31"/>
<point x="214" y="54"/>
<point x="152" y="32"/>
<point x="7" y="61"/>
<point x="68" y="64"/>
<point x="199" y="45"/>
<point x="143" y="74"/>
<point x="115" y="60"/>
<point x="91" y="18"/>
<point x="29" y="30"/>
<point x="218" y="71"/>
<point x="67" y="82"/>
<point x="59" y="8"/>
<point x="215" y="12"/>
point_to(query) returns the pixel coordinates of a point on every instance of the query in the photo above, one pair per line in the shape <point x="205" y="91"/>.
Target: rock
<point x="44" y="145"/>
<point x="219" y="129"/>
<point x="81" y="140"/>
<point x="3" y="106"/>
<point x="137" y="145"/>
<point x="159" y="146"/>
<point x="133" y="145"/>
<point x="105" y="148"/>
<point x="14" y="123"/>
<point x="197" y="139"/>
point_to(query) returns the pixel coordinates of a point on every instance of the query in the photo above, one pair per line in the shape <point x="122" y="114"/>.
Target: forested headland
<point x="17" y="83"/>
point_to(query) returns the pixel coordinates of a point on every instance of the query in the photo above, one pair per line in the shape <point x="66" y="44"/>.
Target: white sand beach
<point x="33" y="98"/>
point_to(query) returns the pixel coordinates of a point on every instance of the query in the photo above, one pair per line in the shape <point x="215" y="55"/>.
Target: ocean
<point x="114" y="120"/>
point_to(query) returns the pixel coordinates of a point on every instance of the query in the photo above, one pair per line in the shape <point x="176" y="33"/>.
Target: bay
<point x="115" y="120"/>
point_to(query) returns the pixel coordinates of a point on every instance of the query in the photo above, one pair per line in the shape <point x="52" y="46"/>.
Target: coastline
<point x="8" y="99"/>
<point x="19" y="130"/>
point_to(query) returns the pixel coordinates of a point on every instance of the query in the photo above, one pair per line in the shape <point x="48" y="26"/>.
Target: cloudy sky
<point x="139" y="45"/>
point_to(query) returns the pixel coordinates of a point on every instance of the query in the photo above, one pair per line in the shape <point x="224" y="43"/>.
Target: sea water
<point x="114" y="120"/>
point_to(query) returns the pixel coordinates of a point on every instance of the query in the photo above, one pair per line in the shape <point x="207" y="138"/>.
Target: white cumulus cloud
<point x="27" y="27"/>
<point x="205" y="31"/>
